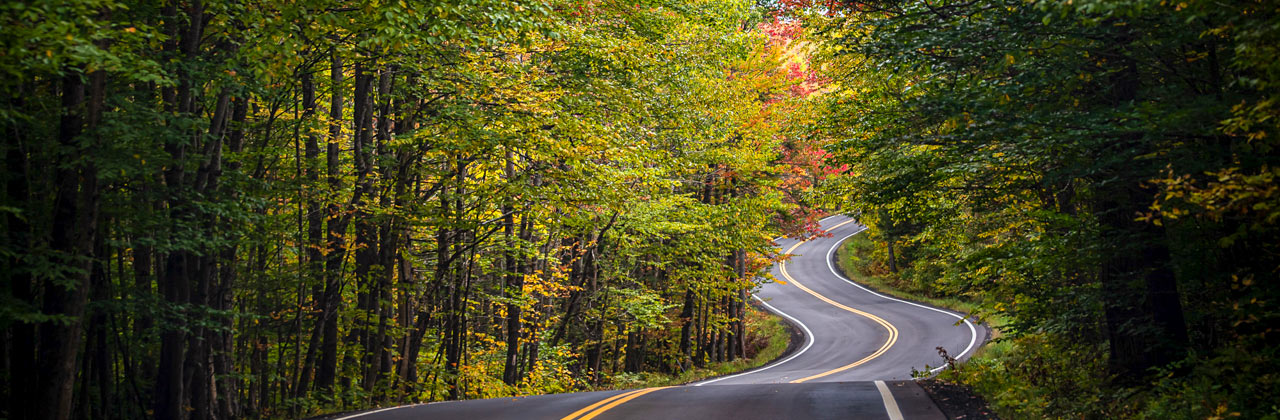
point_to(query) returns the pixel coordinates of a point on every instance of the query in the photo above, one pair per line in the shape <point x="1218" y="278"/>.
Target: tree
<point x="277" y="209"/>
<point x="1032" y="149"/>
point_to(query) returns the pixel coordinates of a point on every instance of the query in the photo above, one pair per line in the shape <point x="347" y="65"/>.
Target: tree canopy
<point x="224" y="209"/>
<point x="1096" y="175"/>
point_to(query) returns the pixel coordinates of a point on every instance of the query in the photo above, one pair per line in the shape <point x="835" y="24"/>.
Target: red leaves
<point x="781" y="32"/>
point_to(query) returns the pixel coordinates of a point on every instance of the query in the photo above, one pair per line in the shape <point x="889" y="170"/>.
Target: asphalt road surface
<point x="856" y="361"/>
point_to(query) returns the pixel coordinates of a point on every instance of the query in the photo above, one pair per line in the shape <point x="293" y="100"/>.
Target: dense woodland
<point x="226" y="209"/>
<point x="1099" y="177"/>
<point x="277" y="209"/>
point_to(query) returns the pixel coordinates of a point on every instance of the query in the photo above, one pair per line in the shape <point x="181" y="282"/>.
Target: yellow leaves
<point x="1008" y="58"/>
<point x="556" y="285"/>
<point x="1230" y="193"/>
<point x="949" y="124"/>
<point x="1219" y="31"/>
<point x="1222" y="412"/>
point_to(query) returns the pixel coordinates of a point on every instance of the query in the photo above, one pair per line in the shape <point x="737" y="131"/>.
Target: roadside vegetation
<point x="276" y="209"/>
<point x="768" y="338"/>
<point x="856" y="258"/>
<point x="1096" y="179"/>
<point x="273" y="209"/>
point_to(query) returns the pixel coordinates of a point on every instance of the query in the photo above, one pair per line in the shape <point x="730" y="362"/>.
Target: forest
<point x="1096" y="178"/>
<point x="279" y="209"/>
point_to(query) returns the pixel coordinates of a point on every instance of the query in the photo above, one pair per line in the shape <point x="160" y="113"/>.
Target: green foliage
<point x="303" y="207"/>
<point x="1095" y="174"/>
<point x="1042" y="376"/>
<point x="768" y="338"/>
<point x="1204" y="394"/>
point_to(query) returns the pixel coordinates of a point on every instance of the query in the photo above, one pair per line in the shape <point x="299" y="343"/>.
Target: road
<point x="856" y="361"/>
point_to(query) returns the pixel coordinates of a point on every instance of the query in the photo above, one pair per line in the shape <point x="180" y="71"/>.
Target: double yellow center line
<point x="893" y="331"/>
<point x="591" y="411"/>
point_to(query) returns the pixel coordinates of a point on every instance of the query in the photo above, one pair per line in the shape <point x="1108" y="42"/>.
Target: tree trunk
<point x="326" y="370"/>
<point x="366" y="242"/>
<point x="1144" y="317"/>
<point x="514" y="284"/>
<point x="22" y="347"/>
<point x="74" y="230"/>
<point x="686" y="328"/>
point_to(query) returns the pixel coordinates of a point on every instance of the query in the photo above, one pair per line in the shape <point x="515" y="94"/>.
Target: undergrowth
<point x="1051" y="375"/>
<point x="767" y="339"/>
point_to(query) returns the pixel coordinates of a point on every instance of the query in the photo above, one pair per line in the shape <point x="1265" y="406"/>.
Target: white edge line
<point x="807" y="333"/>
<point x="973" y="332"/>
<point x="376" y="411"/>
<point x="890" y="404"/>
<point x="808" y="343"/>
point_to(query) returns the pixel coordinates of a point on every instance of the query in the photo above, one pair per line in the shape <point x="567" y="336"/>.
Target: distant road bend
<point x="856" y="362"/>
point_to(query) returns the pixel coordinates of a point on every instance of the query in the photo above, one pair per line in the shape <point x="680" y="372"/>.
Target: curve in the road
<point x="855" y="366"/>
<point x="893" y="331"/>
<point x="914" y="331"/>
<point x="973" y="330"/>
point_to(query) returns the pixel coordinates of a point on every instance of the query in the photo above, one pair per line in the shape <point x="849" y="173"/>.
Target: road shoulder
<point x="957" y="401"/>
<point x="913" y="401"/>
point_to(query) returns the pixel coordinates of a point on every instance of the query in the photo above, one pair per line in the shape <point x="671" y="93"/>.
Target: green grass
<point x="758" y="323"/>
<point x="853" y="259"/>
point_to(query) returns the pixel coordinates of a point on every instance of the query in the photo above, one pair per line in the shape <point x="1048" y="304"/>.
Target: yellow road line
<point x="893" y="331"/>
<point x="611" y="403"/>
<point x="607" y="404"/>
<point x="598" y="403"/>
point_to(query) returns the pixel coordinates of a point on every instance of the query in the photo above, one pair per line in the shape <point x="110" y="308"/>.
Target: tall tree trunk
<point x="74" y="230"/>
<point x="514" y="283"/>
<point x="1144" y="317"/>
<point x="366" y="242"/>
<point x="686" y="328"/>
<point x="222" y="295"/>
<point x="328" y="271"/>
<point x="892" y="257"/>
<point x="22" y="347"/>
<point x="455" y="327"/>
<point x="199" y="363"/>
<point x="96" y="363"/>
<point x="339" y="218"/>
<point x="314" y="207"/>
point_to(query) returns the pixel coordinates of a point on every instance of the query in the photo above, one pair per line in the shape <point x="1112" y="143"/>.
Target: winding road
<point x="856" y="360"/>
